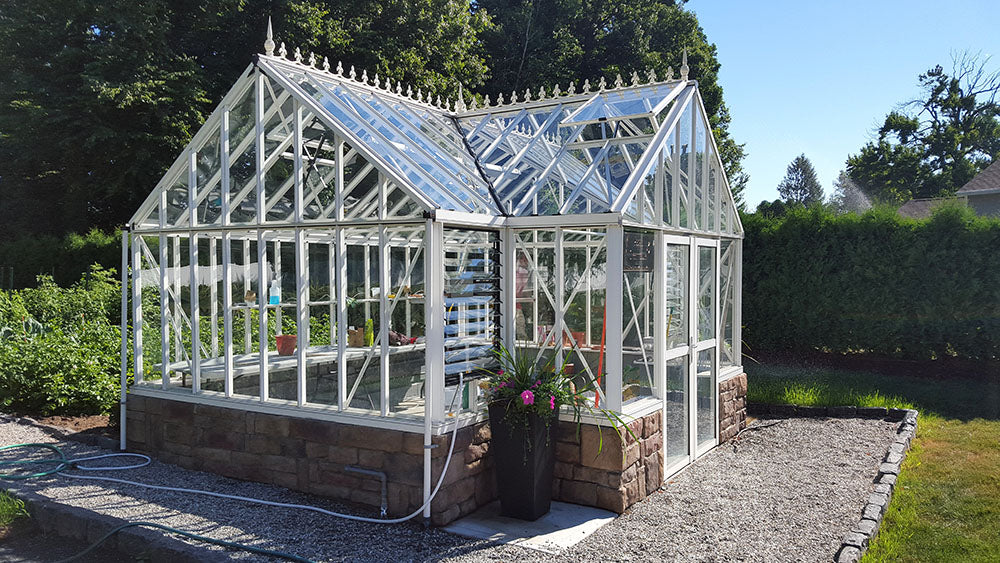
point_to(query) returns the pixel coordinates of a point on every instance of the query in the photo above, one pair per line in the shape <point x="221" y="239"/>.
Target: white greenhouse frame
<point x="543" y="224"/>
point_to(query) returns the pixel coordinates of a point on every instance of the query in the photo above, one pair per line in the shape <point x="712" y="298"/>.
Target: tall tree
<point x="548" y="42"/>
<point x="800" y="184"/>
<point x="98" y="98"/>
<point x="933" y="145"/>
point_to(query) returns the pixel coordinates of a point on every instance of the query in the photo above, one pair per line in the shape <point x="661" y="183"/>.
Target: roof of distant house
<point x="988" y="179"/>
<point x="920" y="208"/>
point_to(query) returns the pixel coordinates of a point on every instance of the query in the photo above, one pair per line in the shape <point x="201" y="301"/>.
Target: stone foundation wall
<point x="310" y="455"/>
<point x="732" y="407"/>
<point x="626" y="470"/>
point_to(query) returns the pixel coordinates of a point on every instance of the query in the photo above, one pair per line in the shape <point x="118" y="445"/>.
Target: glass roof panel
<point x="622" y="104"/>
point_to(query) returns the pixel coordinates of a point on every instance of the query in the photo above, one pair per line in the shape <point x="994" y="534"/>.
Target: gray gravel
<point x="785" y="492"/>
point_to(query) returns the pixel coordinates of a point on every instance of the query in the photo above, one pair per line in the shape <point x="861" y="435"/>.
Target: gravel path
<point x="785" y="492"/>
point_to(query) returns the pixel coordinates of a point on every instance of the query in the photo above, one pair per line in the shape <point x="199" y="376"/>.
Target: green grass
<point x="10" y="509"/>
<point x="947" y="502"/>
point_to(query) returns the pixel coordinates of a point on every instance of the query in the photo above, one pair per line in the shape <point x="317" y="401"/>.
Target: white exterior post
<point x="137" y="352"/>
<point x="384" y="319"/>
<point x="660" y="316"/>
<point x="559" y="331"/>
<point x="193" y="270"/>
<point x="434" y="319"/>
<point x="301" y="267"/>
<point x="227" y="261"/>
<point x="508" y="288"/>
<point x="262" y="281"/>
<point x="124" y="337"/>
<point x="613" y="310"/>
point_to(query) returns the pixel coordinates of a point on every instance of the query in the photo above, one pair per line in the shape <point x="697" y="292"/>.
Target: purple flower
<point x="528" y="397"/>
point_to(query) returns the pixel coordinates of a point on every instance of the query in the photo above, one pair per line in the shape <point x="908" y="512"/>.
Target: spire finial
<point x="269" y="42"/>
<point x="684" y="65"/>
<point x="460" y="102"/>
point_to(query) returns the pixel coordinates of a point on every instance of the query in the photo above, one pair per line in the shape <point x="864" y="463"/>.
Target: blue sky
<point x="819" y="77"/>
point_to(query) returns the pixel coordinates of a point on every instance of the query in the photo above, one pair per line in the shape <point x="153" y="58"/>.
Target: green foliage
<point x="873" y="283"/>
<point x="800" y="184"/>
<point x="63" y="259"/>
<point x="60" y="348"/>
<point x="549" y="42"/>
<point x="954" y="133"/>
<point x="11" y="509"/>
<point x="98" y="98"/>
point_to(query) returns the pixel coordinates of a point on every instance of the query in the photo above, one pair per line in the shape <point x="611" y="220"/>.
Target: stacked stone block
<point x="732" y="407"/>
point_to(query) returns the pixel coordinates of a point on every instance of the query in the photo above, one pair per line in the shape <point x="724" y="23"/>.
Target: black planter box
<point x="524" y="474"/>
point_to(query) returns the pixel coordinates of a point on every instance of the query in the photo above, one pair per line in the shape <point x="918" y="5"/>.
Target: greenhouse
<point x="334" y="252"/>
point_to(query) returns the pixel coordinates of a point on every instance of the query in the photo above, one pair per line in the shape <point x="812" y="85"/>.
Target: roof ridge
<point x="459" y="106"/>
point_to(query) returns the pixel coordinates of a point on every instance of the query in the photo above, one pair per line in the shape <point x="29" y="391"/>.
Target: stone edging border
<point x="855" y="542"/>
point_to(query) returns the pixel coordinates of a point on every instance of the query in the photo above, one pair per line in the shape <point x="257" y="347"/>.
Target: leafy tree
<point x="800" y="184"/>
<point x="848" y="197"/>
<point x="772" y="209"/>
<point x="934" y="145"/>
<point x="549" y="42"/>
<point x="97" y="98"/>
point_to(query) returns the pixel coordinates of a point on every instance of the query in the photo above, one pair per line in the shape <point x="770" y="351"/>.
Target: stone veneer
<point x="310" y="455"/>
<point x="732" y="407"/>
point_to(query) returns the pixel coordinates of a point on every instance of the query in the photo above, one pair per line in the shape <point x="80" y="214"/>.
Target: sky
<point x="818" y="78"/>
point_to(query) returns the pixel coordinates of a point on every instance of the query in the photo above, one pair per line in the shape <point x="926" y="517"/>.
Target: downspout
<point x="124" y="334"/>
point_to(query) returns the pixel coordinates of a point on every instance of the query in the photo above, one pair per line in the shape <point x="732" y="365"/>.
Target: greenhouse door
<point x="689" y="427"/>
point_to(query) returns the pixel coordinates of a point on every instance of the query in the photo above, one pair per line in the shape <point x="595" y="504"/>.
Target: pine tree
<point x="800" y="184"/>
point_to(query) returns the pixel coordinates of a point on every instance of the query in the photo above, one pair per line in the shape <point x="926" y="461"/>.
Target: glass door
<point x="677" y="397"/>
<point x="704" y="361"/>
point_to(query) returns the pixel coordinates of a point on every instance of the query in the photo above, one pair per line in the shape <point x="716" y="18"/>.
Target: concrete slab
<point x="563" y="527"/>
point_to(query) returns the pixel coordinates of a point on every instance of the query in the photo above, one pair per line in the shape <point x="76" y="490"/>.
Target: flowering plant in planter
<point x="525" y="395"/>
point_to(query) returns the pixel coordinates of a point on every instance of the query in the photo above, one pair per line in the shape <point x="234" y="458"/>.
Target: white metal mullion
<point x="384" y="318"/>
<point x="247" y="324"/>
<point x="479" y="127"/>
<point x="164" y="308"/>
<point x="358" y="177"/>
<point x="693" y="322"/>
<point x="675" y="180"/>
<point x="434" y="320"/>
<point x="278" y="325"/>
<point x="660" y="317"/>
<point x="301" y="262"/>
<point x="508" y="296"/>
<point x="511" y="127"/>
<point x="557" y="303"/>
<point x="262" y="289"/>
<point x="227" y="312"/>
<point x="693" y="178"/>
<point x="341" y="255"/>
<point x="613" y="300"/>
<point x="213" y="292"/>
<point x="176" y="278"/>
<point x="331" y="265"/>
<point x="738" y="304"/>
<point x="137" y="324"/>
<point x="542" y="178"/>
<point x="195" y="283"/>
<point x="636" y="312"/>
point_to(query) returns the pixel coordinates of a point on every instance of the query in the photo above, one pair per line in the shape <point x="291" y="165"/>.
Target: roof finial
<point x="618" y="80"/>
<point x="555" y="91"/>
<point x="326" y="64"/>
<point x="572" y="88"/>
<point x="460" y="102"/>
<point x="312" y="60"/>
<point x="527" y="94"/>
<point x="684" y="65"/>
<point x="635" y="78"/>
<point x="352" y="74"/>
<point x="282" y="51"/>
<point x="340" y="68"/>
<point x="486" y="101"/>
<point x="500" y="99"/>
<point x="651" y="75"/>
<point x="364" y="76"/>
<point x="603" y="84"/>
<point x="586" y="86"/>
<point x="473" y="105"/>
<point x="513" y="97"/>
<point x="399" y="88"/>
<point x="541" y="92"/>
<point x="298" y="55"/>
<point x="378" y="83"/>
<point x="409" y="91"/>
<point x="269" y="42"/>
<point x="670" y="73"/>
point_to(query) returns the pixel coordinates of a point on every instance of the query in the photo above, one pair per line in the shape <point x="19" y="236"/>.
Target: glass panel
<point x="472" y="310"/>
<point x="619" y="104"/>
<point x="677" y="295"/>
<point x="706" y="396"/>
<point x="699" y="172"/>
<point x="406" y="327"/>
<point x="727" y="271"/>
<point x="243" y="161"/>
<point x="177" y="200"/>
<point x="321" y="377"/>
<point x="319" y="170"/>
<point x="584" y="270"/>
<point x="711" y="198"/>
<point x="666" y="164"/>
<point x="706" y="293"/>
<point x="675" y="420"/>
<point x="684" y="169"/>
<point x="637" y="317"/>
<point x="209" y="178"/>
<point x="283" y="305"/>
<point x="363" y="319"/>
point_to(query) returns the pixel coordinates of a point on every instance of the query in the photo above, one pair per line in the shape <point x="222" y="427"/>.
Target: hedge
<point x="874" y="283"/>
<point x="64" y="259"/>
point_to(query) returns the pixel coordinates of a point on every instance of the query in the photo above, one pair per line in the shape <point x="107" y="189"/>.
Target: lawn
<point x="947" y="502"/>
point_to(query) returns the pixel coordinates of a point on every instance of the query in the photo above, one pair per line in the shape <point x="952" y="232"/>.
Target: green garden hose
<point x="61" y="462"/>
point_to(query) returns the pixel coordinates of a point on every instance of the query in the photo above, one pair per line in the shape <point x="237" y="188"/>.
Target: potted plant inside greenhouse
<point x="525" y="396"/>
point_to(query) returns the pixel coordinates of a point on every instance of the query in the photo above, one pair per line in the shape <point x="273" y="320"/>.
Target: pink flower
<point x="500" y="372"/>
<point x="528" y="397"/>
<point x="552" y="403"/>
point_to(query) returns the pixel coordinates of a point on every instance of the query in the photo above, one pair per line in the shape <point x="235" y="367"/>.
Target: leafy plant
<point x="11" y="508"/>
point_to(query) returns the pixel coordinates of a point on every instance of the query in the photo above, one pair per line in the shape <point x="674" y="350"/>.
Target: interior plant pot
<point x="286" y="344"/>
<point x="525" y="458"/>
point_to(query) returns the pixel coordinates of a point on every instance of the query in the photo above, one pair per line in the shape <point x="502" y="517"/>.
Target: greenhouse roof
<point x="592" y="149"/>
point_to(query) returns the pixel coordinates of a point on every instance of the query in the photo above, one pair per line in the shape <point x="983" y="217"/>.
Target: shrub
<point x="60" y="347"/>
<point x="873" y="283"/>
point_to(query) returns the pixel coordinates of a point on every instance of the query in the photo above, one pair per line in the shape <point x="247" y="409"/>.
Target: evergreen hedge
<point x="875" y="283"/>
<point x="64" y="259"/>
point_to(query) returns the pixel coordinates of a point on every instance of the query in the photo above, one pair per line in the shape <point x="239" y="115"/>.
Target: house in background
<point x="981" y="193"/>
